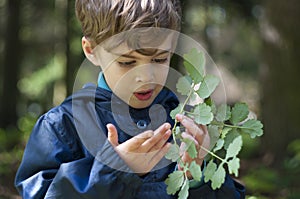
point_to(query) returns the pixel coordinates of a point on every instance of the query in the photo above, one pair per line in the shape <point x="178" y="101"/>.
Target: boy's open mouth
<point x="143" y="95"/>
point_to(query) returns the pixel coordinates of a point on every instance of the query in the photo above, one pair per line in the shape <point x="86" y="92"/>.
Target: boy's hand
<point x="142" y="152"/>
<point x="197" y="133"/>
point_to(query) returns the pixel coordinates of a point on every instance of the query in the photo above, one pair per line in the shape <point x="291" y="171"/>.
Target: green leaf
<point x="231" y="135"/>
<point x="174" y="181"/>
<point x="184" y="192"/>
<point x="223" y="113"/>
<point x="190" y="147"/>
<point x="173" y="153"/>
<point x="207" y="86"/>
<point x="208" y="101"/>
<point x="239" y="113"/>
<point x="219" y="145"/>
<point x="177" y="130"/>
<point x="176" y="111"/>
<point x="194" y="63"/>
<point x="214" y="134"/>
<point x="233" y="166"/>
<point x="210" y="170"/>
<point x="184" y="85"/>
<point x="225" y="131"/>
<point x="253" y="128"/>
<point x="218" y="178"/>
<point x="202" y="114"/>
<point x="234" y="148"/>
<point x="195" y="170"/>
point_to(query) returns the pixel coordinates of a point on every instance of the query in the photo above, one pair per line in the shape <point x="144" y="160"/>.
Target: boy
<point x="109" y="141"/>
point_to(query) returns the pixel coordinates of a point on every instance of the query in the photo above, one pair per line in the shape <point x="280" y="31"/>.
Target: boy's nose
<point x="145" y="74"/>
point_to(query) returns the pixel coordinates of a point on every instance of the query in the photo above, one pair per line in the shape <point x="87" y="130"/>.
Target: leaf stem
<point x="213" y="154"/>
<point x="181" y="111"/>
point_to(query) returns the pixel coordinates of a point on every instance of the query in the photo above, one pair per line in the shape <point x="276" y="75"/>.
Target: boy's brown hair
<point x="101" y="19"/>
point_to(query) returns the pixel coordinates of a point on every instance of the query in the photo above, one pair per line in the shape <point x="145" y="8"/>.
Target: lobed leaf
<point x="219" y="145"/>
<point x="207" y="86"/>
<point x="190" y="147"/>
<point x="174" y="182"/>
<point x="210" y="170"/>
<point x="223" y="113"/>
<point x="184" y="85"/>
<point x="233" y="166"/>
<point x="253" y="128"/>
<point x="234" y="148"/>
<point x="225" y="131"/>
<point x="202" y="114"/>
<point x="239" y="113"/>
<point x="208" y="101"/>
<point x="194" y="62"/>
<point x="230" y="136"/>
<point x="184" y="192"/>
<point x="175" y="111"/>
<point x="218" y="178"/>
<point x="214" y="134"/>
<point x="173" y="153"/>
<point x="195" y="170"/>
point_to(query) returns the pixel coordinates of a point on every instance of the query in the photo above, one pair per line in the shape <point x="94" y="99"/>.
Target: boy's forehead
<point x="166" y="45"/>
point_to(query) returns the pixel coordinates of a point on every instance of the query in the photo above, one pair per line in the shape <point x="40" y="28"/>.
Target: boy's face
<point x="136" y="78"/>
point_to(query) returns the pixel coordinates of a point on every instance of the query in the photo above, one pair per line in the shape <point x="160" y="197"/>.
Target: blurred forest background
<point x="254" y="43"/>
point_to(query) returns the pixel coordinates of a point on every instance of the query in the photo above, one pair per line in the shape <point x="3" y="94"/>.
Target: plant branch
<point x="213" y="154"/>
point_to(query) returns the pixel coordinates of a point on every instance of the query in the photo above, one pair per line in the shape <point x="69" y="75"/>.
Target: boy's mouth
<point x="143" y="95"/>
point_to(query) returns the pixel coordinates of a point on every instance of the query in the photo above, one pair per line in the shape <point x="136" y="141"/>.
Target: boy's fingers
<point x="160" y="154"/>
<point x="138" y="140"/>
<point x="190" y="137"/>
<point x="161" y="135"/>
<point x="162" y="141"/>
<point x="196" y="131"/>
<point x="112" y="135"/>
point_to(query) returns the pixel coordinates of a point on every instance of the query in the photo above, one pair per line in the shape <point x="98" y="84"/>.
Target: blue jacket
<point x="68" y="156"/>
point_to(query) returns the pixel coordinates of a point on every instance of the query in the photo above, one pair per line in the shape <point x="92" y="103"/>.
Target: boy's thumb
<point x="112" y="135"/>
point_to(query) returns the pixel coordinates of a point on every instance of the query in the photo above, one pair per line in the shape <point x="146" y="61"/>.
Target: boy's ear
<point x="88" y="51"/>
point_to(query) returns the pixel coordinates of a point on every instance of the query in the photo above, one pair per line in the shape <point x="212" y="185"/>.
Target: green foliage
<point x="190" y="147"/>
<point x="293" y="162"/>
<point x="218" y="178"/>
<point x="184" y="85"/>
<point x="35" y="85"/>
<point x="225" y="127"/>
<point x="233" y="166"/>
<point x="195" y="170"/>
<point x="208" y="85"/>
<point x="262" y="180"/>
<point x="239" y="113"/>
<point x="184" y="192"/>
<point x="194" y="63"/>
<point x="210" y="170"/>
<point x="234" y="147"/>
<point x="175" y="181"/>
<point x="202" y="114"/>
<point x="173" y="153"/>
<point x="253" y="128"/>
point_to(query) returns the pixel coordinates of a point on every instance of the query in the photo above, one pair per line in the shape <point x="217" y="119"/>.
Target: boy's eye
<point x="160" y="60"/>
<point x="126" y="63"/>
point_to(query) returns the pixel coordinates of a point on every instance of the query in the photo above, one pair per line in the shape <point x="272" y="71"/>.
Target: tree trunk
<point x="73" y="58"/>
<point x="10" y="93"/>
<point x="280" y="80"/>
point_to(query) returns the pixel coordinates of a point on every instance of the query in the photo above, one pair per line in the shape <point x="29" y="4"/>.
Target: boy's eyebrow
<point x="133" y="57"/>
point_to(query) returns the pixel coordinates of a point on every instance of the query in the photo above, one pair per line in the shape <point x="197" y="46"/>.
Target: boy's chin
<point x="140" y="104"/>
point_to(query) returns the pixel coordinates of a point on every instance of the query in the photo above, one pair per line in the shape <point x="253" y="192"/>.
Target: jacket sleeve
<point x="56" y="166"/>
